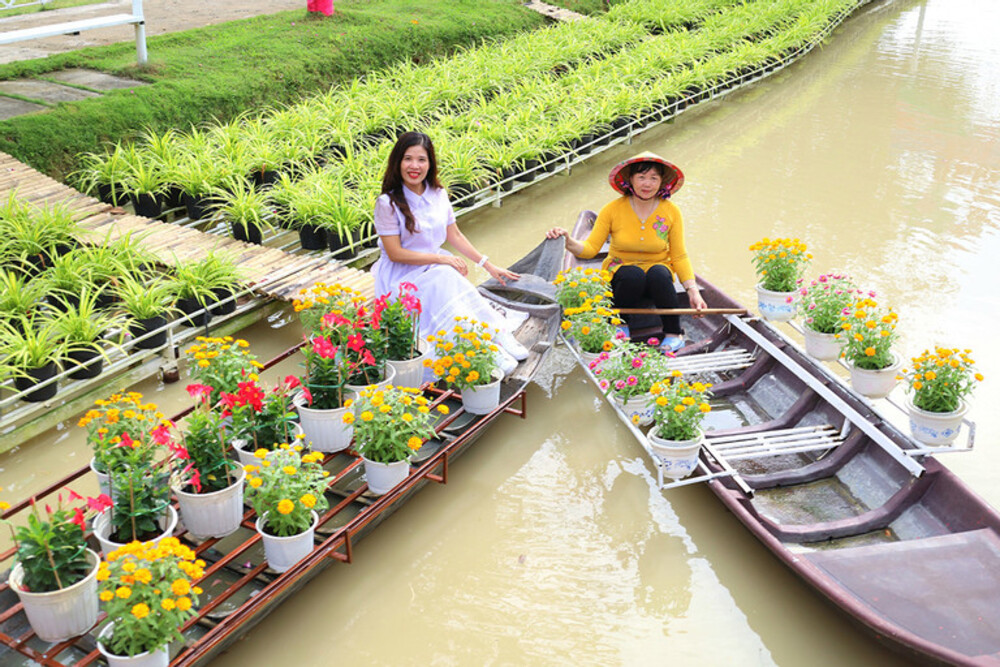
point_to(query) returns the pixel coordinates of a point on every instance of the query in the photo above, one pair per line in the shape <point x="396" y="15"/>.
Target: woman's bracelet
<point x="482" y="260"/>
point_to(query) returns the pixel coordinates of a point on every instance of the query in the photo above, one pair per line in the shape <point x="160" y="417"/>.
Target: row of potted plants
<point x="537" y="115"/>
<point x="841" y="320"/>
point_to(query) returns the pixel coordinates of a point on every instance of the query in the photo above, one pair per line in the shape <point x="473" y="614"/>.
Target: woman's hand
<point x="556" y="232"/>
<point x="500" y="274"/>
<point x="454" y="262"/>
<point x="694" y="297"/>
<point x="575" y="247"/>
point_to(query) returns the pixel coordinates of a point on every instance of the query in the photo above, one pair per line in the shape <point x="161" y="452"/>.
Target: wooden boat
<point x="852" y="505"/>
<point x="239" y="589"/>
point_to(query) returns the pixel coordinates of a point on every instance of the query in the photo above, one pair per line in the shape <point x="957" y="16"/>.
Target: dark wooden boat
<point x="848" y="502"/>
<point x="239" y="588"/>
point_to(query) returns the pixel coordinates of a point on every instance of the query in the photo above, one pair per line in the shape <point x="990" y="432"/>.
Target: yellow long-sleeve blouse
<point x="659" y="239"/>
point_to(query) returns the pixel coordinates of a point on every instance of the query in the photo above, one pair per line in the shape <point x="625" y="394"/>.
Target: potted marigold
<point x="389" y="425"/>
<point x="208" y="484"/>
<point x="149" y="590"/>
<point x="54" y="573"/>
<point x="939" y="382"/>
<point x="576" y="285"/>
<point x="821" y="304"/>
<point x="678" y="409"/>
<point x="286" y="489"/>
<point x="466" y="358"/>
<point x="260" y="418"/>
<point x="220" y="363"/>
<point x="628" y="373"/>
<point x="868" y="331"/>
<point x="592" y="326"/>
<point x="779" y="264"/>
<point x="400" y="319"/>
<point x="313" y="303"/>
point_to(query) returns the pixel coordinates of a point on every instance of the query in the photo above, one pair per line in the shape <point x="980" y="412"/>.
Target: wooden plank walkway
<point x="270" y="272"/>
<point x="553" y="12"/>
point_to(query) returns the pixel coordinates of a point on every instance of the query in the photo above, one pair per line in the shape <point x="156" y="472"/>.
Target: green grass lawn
<point x="221" y="71"/>
<point x="48" y="6"/>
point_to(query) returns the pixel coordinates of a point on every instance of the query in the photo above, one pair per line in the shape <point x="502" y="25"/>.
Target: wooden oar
<point x="683" y="311"/>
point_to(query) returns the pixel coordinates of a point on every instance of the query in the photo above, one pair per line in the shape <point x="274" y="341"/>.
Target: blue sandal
<point x="672" y="344"/>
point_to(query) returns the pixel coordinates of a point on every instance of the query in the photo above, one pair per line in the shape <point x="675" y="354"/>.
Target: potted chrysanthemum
<point x="389" y="425"/>
<point x="54" y="573"/>
<point x="576" y="285"/>
<point x="939" y="382"/>
<point x="286" y="489"/>
<point x="779" y="264"/>
<point x="592" y="327"/>
<point x="678" y="409"/>
<point x="868" y="331"/>
<point x="821" y="304"/>
<point x="628" y="373"/>
<point x="149" y="590"/>
<point x="466" y="358"/>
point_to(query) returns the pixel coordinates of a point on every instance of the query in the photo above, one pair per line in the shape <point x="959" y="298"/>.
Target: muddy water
<point x="550" y="544"/>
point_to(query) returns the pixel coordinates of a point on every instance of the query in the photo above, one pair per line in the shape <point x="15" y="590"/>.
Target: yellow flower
<point x="285" y="506"/>
<point x="289" y="470"/>
<point x="367" y="416"/>
<point x="140" y="610"/>
<point x="870" y="352"/>
<point x="566" y="325"/>
<point x="348" y="418"/>
<point x="407" y="417"/>
<point x="705" y="407"/>
<point x="679" y="408"/>
<point x="107" y="596"/>
<point x="184" y="604"/>
<point x="443" y="409"/>
<point x="168" y="604"/>
<point x="255" y="482"/>
<point x="143" y="576"/>
<point x="181" y="587"/>
<point x="124" y="592"/>
<point x="260" y="453"/>
<point x="414" y="443"/>
<point x="308" y="500"/>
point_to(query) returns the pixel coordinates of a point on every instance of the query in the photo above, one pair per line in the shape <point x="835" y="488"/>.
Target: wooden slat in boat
<point x="890" y="536"/>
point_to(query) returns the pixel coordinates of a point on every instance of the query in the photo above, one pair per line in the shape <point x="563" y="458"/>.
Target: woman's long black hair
<point x="392" y="180"/>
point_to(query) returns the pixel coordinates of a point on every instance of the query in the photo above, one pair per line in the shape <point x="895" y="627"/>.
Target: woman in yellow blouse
<point x="647" y="240"/>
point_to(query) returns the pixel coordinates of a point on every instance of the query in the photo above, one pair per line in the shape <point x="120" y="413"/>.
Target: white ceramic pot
<point x="410" y="373"/>
<point x="383" y="477"/>
<point x="102" y="529"/>
<point x="589" y="357"/>
<point x="325" y="429"/>
<point x="638" y="409"/>
<point x="776" y="306"/>
<point x="157" y="658"/>
<point x="245" y="452"/>
<point x="103" y="480"/>
<point x="56" y="616"/>
<point x="677" y="458"/>
<point x="822" y="346"/>
<point x="284" y="552"/>
<point x="937" y="429"/>
<point x="352" y="390"/>
<point x="483" y="399"/>
<point x="875" y="383"/>
<point x="215" y="514"/>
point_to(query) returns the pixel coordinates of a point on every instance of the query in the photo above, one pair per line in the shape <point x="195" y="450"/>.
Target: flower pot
<point x="102" y="529"/>
<point x="158" y="658"/>
<point x="36" y="376"/>
<point x="224" y="302"/>
<point x="108" y="194"/>
<point x="822" y="346"/>
<point x="337" y="243"/>
<point x="284" y="552"/>
<point x="383" y="477"/>
<point x="215" y="514"/>
<point x="265" y="177"/>
<point x="89" y="364"/>
<point x="146" y="205"/>
<point x="874" y="383"/>
<point x="172" y="198"/>
<point x="245" y="449"/>
<point x="141" y="327"/>
<point x="639" y="409"/>
<point x="246" y="232"/>
<point x="56" y="616"/>
<point x="776" y="306"/>
<point x="410" y="372"/>
<point x="325" y="429"/>
<point x="197" y="207"/>
<point x="103" y="479"/>
<point x="677" y="458"/>
<point x="483" y="399"/>
<point x="458" y="192"/>
<point x="388" y="377"/>
<point x="192" y="305"/>
<point x="937" y="429"/>
<point x="312" y="237"/>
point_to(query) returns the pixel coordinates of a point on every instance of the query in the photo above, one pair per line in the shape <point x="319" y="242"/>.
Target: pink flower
<point x="198" y="391"/>
<point x="653" y="342"/>
<point x="100" y="503"/>
<point x="637" y="363"/>
<point x="292" y="382"/>
<point x="632" y="380"/>
<point x="619" y="384"/>
<point x="73" y="495"/>
<point x="161" y="434"/>
<point x="307" y="394"/>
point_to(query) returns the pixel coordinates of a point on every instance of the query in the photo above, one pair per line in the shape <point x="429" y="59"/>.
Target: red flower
<point x="161" y="434"/>
<point x="79" y="519"/>
<point x="355" y="342"/>
<point x="179" y="451"/>
<point x="199" y="392"/>
<point x="307" y="394"/>
<point x="292" y="382"/>
<point x="127" y="441"/>
<point x="73" y="495"/>
<point x="100" y="503"/>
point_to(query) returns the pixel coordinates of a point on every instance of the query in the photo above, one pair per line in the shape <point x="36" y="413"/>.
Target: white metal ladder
<point x="723" y="360"/>
<point x="796" y="440"/>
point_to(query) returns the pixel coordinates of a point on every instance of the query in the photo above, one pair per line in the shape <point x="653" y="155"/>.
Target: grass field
<point x="221" y="71"/>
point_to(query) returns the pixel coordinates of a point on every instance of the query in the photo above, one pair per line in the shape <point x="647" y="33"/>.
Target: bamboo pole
<point x="683" y="311"/>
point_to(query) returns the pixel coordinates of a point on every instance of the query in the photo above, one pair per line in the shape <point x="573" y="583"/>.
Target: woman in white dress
<point x="413" y="219"/>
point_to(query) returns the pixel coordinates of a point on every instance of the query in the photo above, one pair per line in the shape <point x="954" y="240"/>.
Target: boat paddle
<point x="683" y="311"/>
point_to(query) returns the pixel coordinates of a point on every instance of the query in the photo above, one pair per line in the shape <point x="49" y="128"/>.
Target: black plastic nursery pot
<point x="458" y="192"/>
<point x="141" y="327"/>
<point x="190" y="306"/>
<point x="506" y="181"/>
<point x="336" y="243"/>
<point x="197" y="207"/>
<point x="146" y="205"/>
<point x="89" y="362"/>
<point x="312" y="237"/>
<point x="63" y="301"/>
<point x="528" y="170"/>
<point x="34" y="377"/>
<point x="247" y="232"/>
<point x="108" y="194"/>
<point x="265" y="177"/>
<point x="224" y="302"/>
<point x="172" y="198"/>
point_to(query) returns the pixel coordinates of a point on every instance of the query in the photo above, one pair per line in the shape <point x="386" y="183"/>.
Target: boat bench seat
<point x="944" y="589"/>
<point x="708" y="362"/>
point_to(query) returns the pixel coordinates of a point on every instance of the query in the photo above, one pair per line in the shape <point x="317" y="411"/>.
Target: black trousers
<point x="631" y="286"/>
